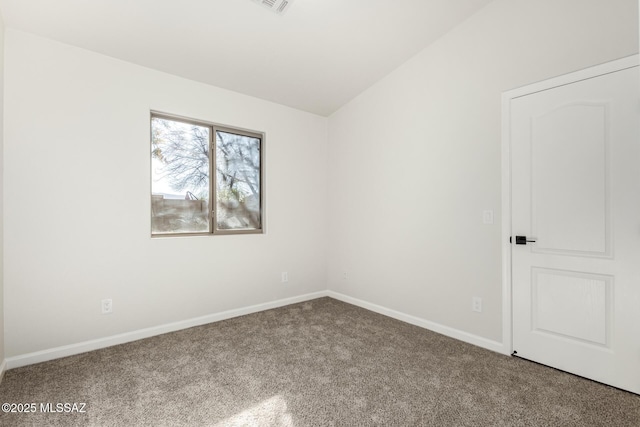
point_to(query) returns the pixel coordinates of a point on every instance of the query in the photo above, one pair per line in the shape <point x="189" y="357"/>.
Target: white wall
<point x="415" y="159"/>
<point x="2" y="351"/>
<point x="77" y="201"/>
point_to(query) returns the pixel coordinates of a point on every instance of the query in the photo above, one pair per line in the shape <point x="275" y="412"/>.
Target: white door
<point x="575" y="191"/>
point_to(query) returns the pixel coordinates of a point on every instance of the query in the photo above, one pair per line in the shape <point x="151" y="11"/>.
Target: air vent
<point x="277" y="6"/>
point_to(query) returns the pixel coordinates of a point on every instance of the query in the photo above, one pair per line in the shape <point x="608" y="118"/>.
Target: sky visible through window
<point x="181" y="181"/>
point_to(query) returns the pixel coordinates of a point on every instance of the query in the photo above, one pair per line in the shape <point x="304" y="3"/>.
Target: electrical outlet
<point x="345" y="276"/>
<point x="487" y="217"/>
<point x="285" y="277"/>
<point x="107" y="306"/>
<point x="476" y="304"/>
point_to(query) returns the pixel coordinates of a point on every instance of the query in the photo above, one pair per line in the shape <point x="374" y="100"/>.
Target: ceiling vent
<point x="277" y="6"/>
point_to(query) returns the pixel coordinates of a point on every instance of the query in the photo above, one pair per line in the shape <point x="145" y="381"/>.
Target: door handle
<point x="522" y="240"/>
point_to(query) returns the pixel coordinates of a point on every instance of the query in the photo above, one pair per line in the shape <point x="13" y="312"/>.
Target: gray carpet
<point x="318" y="363"/>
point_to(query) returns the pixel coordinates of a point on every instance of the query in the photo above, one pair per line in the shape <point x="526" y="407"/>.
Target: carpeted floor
<point x="318" y="363"/>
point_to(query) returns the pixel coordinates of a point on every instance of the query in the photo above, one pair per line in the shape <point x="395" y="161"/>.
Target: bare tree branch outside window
<point x="238" y="180"/>
<point x="181" y="179"/>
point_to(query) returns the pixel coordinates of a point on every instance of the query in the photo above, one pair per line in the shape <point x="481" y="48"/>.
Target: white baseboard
<point x="83" y="347"/>
<point x="432" y="326"/>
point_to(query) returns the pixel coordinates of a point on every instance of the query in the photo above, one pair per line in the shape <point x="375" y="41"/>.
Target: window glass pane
<point x="238" y="182"/>
<point x="179" y="177"/>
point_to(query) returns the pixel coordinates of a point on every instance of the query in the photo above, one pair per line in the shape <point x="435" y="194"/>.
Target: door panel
<point x="575" y="156"/>
<point x="572" y="305"/>
<point x="569" y="179"/>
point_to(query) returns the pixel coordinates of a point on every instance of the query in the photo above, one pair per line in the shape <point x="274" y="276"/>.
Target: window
<point x="205" y="178"/>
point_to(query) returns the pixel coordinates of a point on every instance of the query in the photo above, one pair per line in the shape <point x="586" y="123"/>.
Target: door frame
<point x="507" y="97"/>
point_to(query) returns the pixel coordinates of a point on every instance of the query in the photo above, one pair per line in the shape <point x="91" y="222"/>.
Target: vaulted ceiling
<point x="316" y="57"/>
